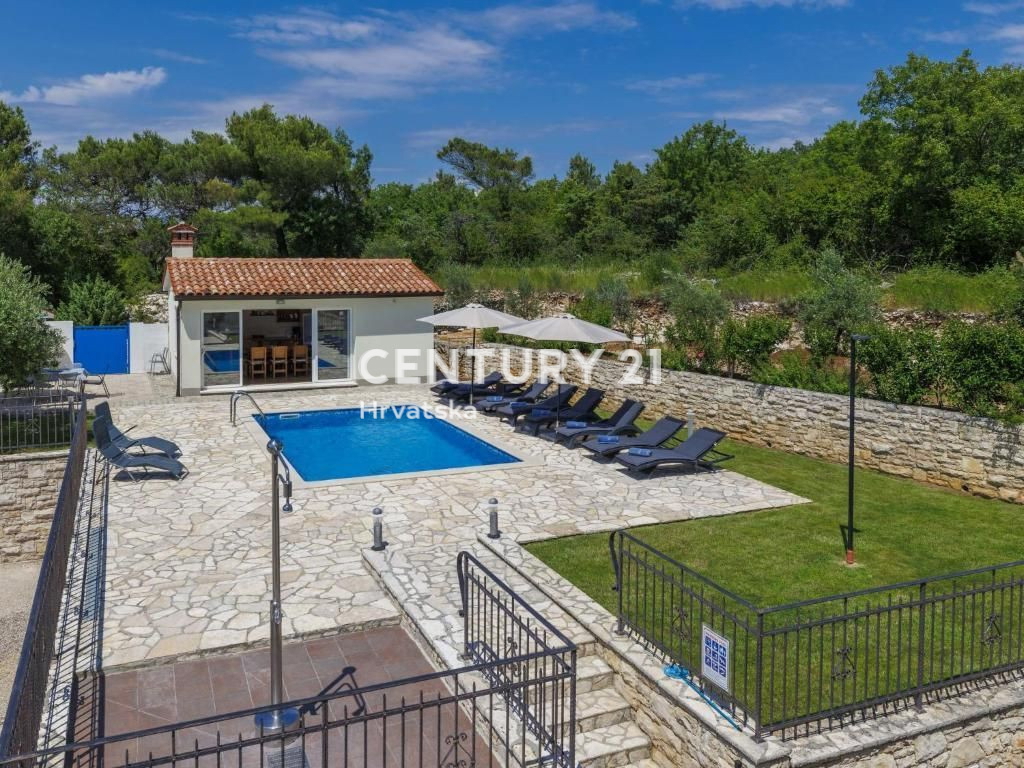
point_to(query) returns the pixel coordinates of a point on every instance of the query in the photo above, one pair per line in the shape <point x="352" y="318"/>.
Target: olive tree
<point x="27" y="343"/>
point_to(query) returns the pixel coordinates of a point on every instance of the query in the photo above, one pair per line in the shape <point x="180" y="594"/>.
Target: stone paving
<point x="189" y="562"/>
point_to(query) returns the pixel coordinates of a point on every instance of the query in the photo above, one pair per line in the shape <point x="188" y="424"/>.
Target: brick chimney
<point x="183" y="240"/>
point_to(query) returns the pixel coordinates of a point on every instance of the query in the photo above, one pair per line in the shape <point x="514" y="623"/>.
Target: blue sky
<point x="611" y="79"/>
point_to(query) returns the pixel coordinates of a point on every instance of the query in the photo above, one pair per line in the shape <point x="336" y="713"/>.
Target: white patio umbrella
<point x="472" y="316"/>
<point x="564" y="327"/>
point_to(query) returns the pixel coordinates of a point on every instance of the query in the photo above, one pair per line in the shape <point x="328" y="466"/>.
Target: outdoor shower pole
<point x="854" y="338"/>
<point x="278" y="719"/>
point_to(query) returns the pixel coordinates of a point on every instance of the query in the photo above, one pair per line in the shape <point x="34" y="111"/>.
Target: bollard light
<point x="691" y="423"/>
<point x="492" y="520"/>
<point x="377" y="516"/>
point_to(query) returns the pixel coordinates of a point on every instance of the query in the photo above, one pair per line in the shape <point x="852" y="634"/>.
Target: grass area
<point x="765" y="285"/>
<point x="548" y="278"/>
<point x="905" y="530"/>
<point x="938" y="289"/>
<point x="935" y="289"/>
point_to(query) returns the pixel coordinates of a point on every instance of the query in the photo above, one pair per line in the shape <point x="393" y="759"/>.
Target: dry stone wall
<point x="29" y="484"/>
<point x="946" y="448"/>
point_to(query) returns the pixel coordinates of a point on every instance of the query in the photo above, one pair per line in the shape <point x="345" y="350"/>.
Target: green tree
<point x="842" y="302"/>
<point x="294" y="166"/>
<point x="697" y="311"/>
<point x="94" y="302"/>
<point x="486" y="167"/>
<point x="27" y="344"/>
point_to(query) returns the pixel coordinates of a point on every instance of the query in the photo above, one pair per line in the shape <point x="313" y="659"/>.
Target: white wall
<point x="67" y="330"/>
<point x="382" y="323"/>
<point x="145" y="340"/>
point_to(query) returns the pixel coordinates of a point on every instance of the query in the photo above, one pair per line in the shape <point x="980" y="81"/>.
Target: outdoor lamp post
<point x="854" y="338"/>
<point x="279" y="719"/>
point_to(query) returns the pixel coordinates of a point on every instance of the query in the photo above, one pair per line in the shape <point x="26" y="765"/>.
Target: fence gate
<point x="102" y="348"/>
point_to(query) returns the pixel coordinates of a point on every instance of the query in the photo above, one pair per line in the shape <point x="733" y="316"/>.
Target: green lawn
<point x="905" y="531"/>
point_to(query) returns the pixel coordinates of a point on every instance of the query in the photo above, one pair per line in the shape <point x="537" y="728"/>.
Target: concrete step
<point x="592" y="674"/>
<point x="645" y="763"/>
<point x="599" y="709"/>
<point x="612" y="746"/>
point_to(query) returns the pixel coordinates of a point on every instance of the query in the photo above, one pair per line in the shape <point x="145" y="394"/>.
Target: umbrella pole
<point x="472" y="372"/>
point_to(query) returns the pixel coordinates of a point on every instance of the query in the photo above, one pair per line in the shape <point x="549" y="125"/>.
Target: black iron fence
<point x="28" y="694"/>
<point x="511" y="705"/>
<point x="825" y="661"/>
<point x="38" y="418"/>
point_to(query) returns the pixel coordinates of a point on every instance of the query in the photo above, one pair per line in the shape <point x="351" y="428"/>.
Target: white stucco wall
<point x="67" y="330"/>
<point x="388" y="324"/>
<point x="144" y="341"/>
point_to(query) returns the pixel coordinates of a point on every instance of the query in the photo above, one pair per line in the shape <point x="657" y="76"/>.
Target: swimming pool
<point x="353" y="442"/>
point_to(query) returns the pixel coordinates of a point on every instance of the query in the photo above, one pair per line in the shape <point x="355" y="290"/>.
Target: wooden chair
<point x="258" y="362"/>
<point x="300" y="360"/>
<point x="279" y="361"/>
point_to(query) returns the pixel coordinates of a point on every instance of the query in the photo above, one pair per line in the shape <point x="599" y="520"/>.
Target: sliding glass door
<point x="222" y="352"/>
<point x="332" y="344"/>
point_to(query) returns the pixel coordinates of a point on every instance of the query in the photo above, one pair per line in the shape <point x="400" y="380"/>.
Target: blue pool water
<point x="222" y="360"/>
<point x="345" y="443"/>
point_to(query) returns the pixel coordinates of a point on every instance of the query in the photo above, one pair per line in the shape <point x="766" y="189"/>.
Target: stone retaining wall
<point x="29" y="484"/>
<point x="945" y="448"/>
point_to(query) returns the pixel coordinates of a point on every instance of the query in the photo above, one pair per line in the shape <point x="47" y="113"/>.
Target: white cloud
<point x="305" y="26"/>
<point x="184" y="58"/>
<point x="540" y="19"/>
<point x="90" y="88"/>
<point x="417" y="55"/>
<point x="949" y="36"/>
<point x="1010" y="32"/>
<point x="665" y="85"/>
<point x="994" y="9"/>
<point x="799" y="111"/>
<point x="730" y="5"/>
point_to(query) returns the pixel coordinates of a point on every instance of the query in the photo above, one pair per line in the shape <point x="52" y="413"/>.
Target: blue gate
<point x="102" y="348"/>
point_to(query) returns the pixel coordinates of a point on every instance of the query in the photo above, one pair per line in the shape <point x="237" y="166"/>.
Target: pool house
<point x="290" y="323"/>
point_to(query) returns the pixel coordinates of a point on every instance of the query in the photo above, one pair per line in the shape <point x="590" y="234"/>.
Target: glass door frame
<point x="202" y="347"/>
<point x="315" y="330"/>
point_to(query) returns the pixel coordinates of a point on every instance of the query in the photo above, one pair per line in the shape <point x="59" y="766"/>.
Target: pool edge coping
<point x="260" y="436"/>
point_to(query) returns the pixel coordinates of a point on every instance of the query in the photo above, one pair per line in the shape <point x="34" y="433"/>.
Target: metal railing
<point x="38" y="418"/>
<point x="826" y="661"/>
<point x="233" y="406"/>
<point x="509" y="709"/>
<point x="28" y="694"/>
<point x="498" y="626"/>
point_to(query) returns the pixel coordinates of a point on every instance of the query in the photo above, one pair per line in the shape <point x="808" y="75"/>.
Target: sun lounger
<point x="619" y="423"/>
<point x="443" y="387"/>
<point x="661" y="432"/>
<point x="122" y="441"/>
<point x="512" y="414"/>
<point x="698" y="450"/>
<point x="581" y="410"/>
<point x="128" y="462"/>
<point x="487" y="405"/>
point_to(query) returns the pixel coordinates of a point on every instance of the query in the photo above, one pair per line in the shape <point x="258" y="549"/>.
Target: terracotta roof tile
<point x="196" y="278"/>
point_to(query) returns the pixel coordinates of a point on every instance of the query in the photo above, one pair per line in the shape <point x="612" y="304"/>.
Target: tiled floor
<point x="156" y="697"/>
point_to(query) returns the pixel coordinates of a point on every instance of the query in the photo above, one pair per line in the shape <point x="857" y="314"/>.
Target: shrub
<point x="842" y="302"/>
<point x="94" y="302"/>
<point x="697" y="310"/>
<point x="984" y="368"/>
<point x="796" y="370"/>
<point x="747" y="345"/>
<point x="905" y="366"/>
<point x="523" y="301"/>
<point x="27" y="344"/>
<point x="458" y="288"/>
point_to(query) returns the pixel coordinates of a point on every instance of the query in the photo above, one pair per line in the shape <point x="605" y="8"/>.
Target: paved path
<point x="188" y="562"/>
